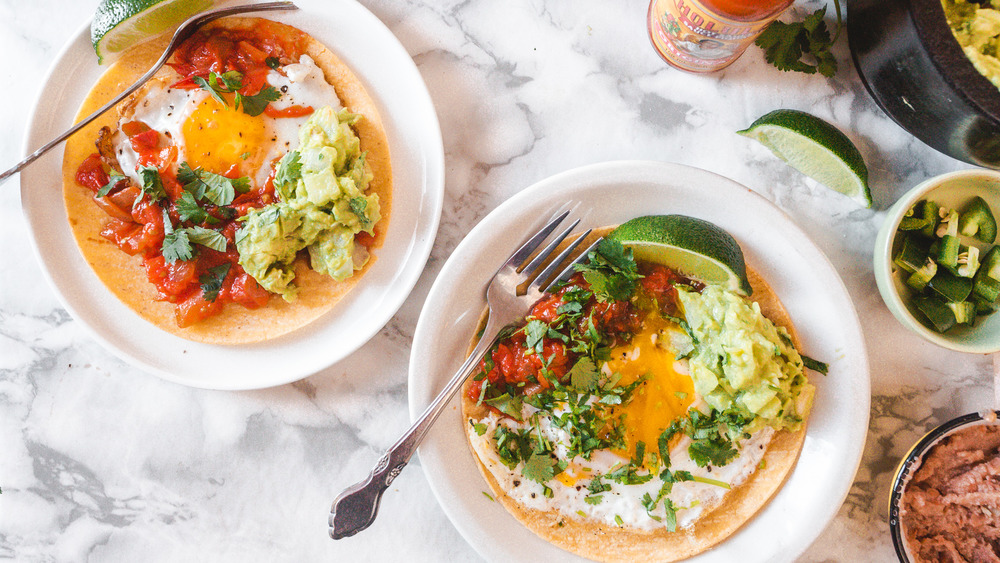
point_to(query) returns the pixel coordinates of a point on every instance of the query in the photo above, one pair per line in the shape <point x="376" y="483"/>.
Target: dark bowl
<point x="912" y="65"/>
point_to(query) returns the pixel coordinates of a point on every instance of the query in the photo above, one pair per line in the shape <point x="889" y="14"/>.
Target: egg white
<point x="622" y="505"/>
<point x="167" y="109"/>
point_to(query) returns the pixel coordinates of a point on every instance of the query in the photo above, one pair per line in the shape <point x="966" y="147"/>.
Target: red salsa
<point x="524" y="364"/>
<point x="137" y="219"/>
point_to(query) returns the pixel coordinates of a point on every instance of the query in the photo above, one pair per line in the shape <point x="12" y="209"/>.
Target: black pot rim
<point x="947" y="55"/>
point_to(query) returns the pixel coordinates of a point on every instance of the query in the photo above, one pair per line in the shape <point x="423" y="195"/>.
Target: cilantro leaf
<point x="255" y="105"/>
<point x="189" y="210"/>
<point x="611" y="271"/>
<point x="113" y="181"/>
<point x="358" y="206"/>
<point x="508" y="404"/>
<point x="534" y="333"/>
<point x="211" y="281"/>
<point x="713" y="451"/>
<point x="584" y="374"/>
<point x="289" y="169"/>
<point x="207" y="237"/>
<point x="207" y="86"/>
<point x="815" y="365"/>
<point x="207" y="185"/>
<point x="785" y="44"/>
<point x="540" y="467"/>
<point x="152" y="184"/>
<point x="176" y="246"/>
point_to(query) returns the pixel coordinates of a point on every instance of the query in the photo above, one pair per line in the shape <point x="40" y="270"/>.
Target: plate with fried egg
<point x="349" y="61"/>
<point x="507" y="512"/>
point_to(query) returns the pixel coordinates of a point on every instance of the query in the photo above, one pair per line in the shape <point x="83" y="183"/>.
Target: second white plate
<point x="608" y="194"/>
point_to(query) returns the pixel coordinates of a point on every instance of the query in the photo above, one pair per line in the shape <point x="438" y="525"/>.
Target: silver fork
<point x="186" y="29"/>
<point x="356" y="507"/>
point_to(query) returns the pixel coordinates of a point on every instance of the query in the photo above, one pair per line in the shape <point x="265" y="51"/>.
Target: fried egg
<point x="220" y="138"/>
<point x="667" y="394"/>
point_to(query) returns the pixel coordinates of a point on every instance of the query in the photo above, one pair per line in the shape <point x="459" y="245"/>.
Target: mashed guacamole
<point x="744" y="360"/>
<point x="322" y="188"/>
<point x="977" y="28"/>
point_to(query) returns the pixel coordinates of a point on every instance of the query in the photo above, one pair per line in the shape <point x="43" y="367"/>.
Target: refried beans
<point x="951" y="506"/>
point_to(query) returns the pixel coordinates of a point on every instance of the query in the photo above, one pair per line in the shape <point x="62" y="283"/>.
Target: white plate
<point x="417" y="153"/>
<point x="608" y="194"/>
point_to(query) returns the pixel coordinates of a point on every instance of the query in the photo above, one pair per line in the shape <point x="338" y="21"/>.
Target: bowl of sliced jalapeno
<point x="937" y="260"/>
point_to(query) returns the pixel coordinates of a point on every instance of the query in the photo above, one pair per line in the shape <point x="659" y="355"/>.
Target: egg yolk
<point x="216" y="137"/>
<point x="665" y="396"/>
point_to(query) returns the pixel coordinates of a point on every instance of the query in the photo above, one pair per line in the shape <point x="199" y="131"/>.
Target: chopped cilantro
<point x="189" y="210"/>
<point x="176" y="246"/>
<point x="255" y="105"/>
<point x="152" y="185"/>
<point x="113" y="181"/>
<point x="207" y="185"/>
<point x="289" y="169"/>
<point x="211" y="281"/>
<point x="534" y="333"/>
<point x="584" y="374"/>
<point x="359" y="206"/>
<point x="229" y="83"/>
<point x="815" y="365"/>
<point x="207" y="237"/>
<point x="508" y="404"/>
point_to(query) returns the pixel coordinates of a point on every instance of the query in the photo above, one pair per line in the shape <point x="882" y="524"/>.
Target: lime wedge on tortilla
<point x="815" y="148"/>
<point x="693" y="247"/>
<point x="120" y="24"/>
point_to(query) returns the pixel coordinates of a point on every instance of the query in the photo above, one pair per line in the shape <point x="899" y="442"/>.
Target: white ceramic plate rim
<point x="610" y="193"/>
<point x="414" y="134"/>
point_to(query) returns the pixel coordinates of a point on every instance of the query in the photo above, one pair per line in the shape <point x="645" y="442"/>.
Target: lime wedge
<point x="120" y="24"/>
<point x="693" y="247"/>
<point x="815" y="148"/>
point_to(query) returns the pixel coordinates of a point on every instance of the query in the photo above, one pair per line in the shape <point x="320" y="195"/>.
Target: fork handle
<point x="355" y="508"/>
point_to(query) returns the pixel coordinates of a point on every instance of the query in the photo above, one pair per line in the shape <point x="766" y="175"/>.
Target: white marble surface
<point x="102" y="462"/>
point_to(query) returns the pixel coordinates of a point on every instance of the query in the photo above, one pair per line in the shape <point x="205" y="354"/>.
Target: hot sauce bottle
<point x="707" y="35"/>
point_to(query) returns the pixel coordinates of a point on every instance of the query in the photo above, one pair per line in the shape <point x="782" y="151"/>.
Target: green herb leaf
<point x="211" y="281"/>
<point x="152" y="185"/>
<point x="508" y="404"/>
<point x="289" y="169"/>
<point x="207" y="237"/>
<point x="785" y="44"/>
<point x="189" y="210"/>
<point x="540" y="467"/>
<point x="113" y="181"/>
<point x="584" y="375"/>
<point x="815" y="365"/>
<point x="255" y="105"/>
<point x="207" y="185"/>
<point x="358" y="206"/>
<point x="207" y="86"/>
<point x="534" y="334"/>
<point x="716" y="452"/>
<point x="176" y="246"/>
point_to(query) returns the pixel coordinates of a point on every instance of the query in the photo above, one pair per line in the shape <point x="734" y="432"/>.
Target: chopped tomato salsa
<point x="145" y="219"/>
<point x="530" y="359"/>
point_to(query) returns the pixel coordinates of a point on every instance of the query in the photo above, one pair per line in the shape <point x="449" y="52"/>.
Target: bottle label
<point x="689" y="36"/>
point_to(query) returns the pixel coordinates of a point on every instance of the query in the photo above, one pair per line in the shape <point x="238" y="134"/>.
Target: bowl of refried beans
<point x="945" y="500"/>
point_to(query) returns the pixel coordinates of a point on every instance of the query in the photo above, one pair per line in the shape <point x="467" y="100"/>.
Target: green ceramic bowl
<point x="952" y="190"/>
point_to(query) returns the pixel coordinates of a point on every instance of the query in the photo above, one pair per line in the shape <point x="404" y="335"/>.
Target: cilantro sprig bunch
<point x="231" y="82"/>
<point x="793" y="46"/>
